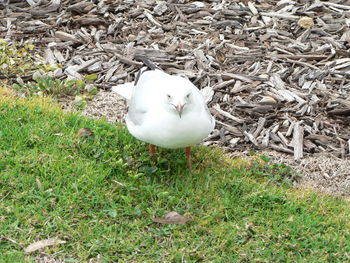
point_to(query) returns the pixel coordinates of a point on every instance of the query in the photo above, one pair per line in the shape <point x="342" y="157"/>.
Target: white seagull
<point x="168" y="111"/>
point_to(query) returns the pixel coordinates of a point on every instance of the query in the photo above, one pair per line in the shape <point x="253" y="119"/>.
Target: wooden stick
<point x="298" y="136"/>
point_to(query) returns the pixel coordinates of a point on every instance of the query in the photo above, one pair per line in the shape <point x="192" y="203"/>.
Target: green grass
<point x="100" y="194"/>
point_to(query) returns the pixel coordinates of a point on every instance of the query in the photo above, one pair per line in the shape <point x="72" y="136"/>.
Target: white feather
<point x="125" y="90"/>
<point x="152" y="116"/>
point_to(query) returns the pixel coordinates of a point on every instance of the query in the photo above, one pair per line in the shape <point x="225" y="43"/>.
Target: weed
<point x="51" y="86"/>
<point x="17" y="58"/>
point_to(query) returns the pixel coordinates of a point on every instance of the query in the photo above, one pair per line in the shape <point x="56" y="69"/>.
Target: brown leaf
<point x="172" y="218"/>
<point x="39" y="184"/>
<point x="43" y="243"/>
<point x="306" y="22"/>
<point x="267" y="100"/>
<point x="84" y="132"/>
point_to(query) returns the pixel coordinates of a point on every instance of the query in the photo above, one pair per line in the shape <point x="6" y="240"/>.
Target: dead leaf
<point x="84" y="132"/>
<point x="305" y="22"/>
<point x="267" y="100"/>
<point x="39" y="184"/>
<point x="172" y="218"/>
<point x="43" y="243"/>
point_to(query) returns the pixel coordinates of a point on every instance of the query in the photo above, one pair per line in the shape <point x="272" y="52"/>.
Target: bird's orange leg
<point x="189" y="158"/>
<point x="152" y="149"/>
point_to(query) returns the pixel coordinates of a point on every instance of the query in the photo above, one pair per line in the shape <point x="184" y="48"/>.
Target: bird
<point x="167" y="111"/>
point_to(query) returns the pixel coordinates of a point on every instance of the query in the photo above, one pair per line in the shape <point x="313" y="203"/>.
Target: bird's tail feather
<point x="149" y="65"/>
<point x="125" y="90"/>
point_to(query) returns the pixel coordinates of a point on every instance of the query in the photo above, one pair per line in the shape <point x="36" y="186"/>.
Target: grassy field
<point x="100" y="193"/>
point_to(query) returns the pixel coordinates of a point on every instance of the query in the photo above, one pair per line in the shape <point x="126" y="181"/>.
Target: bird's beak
<point x="179" y="108"/>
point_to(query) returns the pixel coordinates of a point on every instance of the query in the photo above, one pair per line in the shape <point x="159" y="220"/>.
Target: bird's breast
<point x="168" y="130"/>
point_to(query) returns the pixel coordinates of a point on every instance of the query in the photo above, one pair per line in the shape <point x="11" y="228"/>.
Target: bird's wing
<point x="125" y="90"/>
<point x="146" y="91"/>
<point x="202" y="97"/>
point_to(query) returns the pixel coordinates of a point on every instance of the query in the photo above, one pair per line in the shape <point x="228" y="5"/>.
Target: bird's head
<point x="179" y="99"/>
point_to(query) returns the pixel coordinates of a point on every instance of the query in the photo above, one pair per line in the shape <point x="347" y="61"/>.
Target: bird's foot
<point x="189" y="158"/>
<point x="152" y="149"/>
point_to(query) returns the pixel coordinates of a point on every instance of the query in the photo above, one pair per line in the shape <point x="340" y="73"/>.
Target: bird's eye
<point x="169" y="97"/>
<point x="188" y="95"/>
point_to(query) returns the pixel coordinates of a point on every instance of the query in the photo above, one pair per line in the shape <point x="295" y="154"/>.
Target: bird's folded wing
<point x="146" y="94"/>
